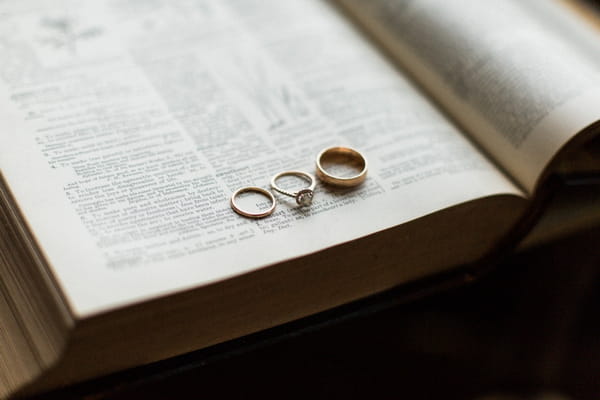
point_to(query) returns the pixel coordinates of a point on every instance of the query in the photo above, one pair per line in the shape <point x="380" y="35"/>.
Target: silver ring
<point x="304" y="197"/>
<point x="248" y="214"/>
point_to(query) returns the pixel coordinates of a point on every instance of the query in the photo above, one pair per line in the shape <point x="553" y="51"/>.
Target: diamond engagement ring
<point x="304" y="197"/>
<point x="341" y="157"/>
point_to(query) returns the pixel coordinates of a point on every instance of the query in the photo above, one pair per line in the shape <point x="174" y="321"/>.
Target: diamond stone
<point x="304" y="197"/>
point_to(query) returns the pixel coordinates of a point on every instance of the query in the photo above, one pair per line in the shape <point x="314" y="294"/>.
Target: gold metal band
<point x="337" y="152"/>
<point x="248" y="214"/>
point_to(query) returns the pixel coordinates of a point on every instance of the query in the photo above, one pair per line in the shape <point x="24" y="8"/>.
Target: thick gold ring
<point x="342" y="155"/>
<point x="249" y="214"/>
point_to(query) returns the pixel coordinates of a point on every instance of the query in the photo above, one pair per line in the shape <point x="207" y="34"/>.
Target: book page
<point x="126" y="126"/>
<point x="507" y="75"/>
<point x="576" y="20"/>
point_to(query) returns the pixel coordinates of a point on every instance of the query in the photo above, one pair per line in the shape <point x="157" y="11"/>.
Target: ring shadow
<point x="336" y="191"/>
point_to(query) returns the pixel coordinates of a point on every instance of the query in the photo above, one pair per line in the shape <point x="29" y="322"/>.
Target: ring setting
<point x="304" y="197"/>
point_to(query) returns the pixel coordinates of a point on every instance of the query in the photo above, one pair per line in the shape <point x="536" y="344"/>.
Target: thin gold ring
<point x="249" y="214"/>
<point x="304" y="197"/>
<point x="345" y="152"/>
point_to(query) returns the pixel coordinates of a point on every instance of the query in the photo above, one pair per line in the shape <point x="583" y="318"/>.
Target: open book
<point x="126" y="126"/>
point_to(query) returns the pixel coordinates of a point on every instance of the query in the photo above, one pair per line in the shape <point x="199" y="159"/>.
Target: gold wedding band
<point x="342" y="155"/>
<point x="249" y="214"/>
